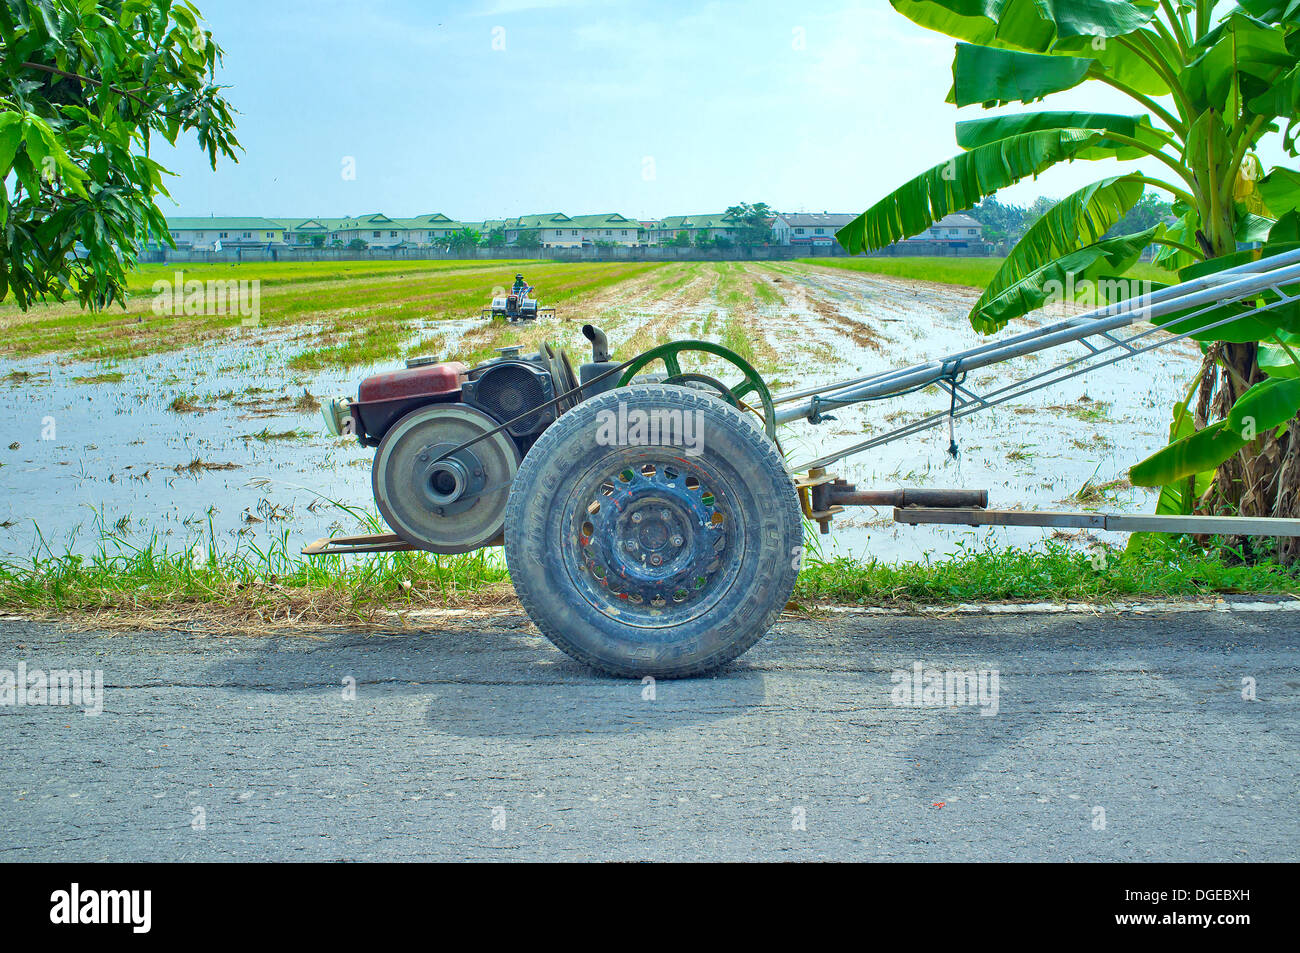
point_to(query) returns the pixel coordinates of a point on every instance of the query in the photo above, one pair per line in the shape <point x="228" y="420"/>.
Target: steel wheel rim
<point x="651" y="500"/>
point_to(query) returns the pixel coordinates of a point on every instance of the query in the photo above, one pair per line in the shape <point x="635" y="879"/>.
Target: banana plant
<point x="1208" y="85"/>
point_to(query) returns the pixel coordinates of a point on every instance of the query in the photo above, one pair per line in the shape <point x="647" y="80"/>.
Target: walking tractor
<point x="518" y="305"/>
<point x="650" y="522"/>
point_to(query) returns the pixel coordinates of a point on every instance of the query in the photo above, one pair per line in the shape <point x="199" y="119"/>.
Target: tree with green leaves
<point x="495" y="238"/>
<point x="529" y="238"/>
<point x="1210" y="85"/>
<point x="84" y="87"/>
<point x="752" y="224"/>
<point x="1002" y="223"/>
<point x="1034" y="212"/>
<point x="463" y="239"/>
<point x="1150" y="210"/>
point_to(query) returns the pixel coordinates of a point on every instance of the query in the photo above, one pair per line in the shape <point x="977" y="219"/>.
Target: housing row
<point x="555" y="230"/>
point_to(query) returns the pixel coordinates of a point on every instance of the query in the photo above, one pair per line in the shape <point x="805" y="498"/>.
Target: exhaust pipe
<point x="599" y="344"/>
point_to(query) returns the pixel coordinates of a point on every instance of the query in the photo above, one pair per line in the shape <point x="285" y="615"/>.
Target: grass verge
<point x="1151" y="567"/>
<point x="248" y="589"/>
<point x="253" y="590"/>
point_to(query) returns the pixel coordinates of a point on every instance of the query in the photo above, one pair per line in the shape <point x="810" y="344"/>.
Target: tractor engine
<point x="434" y="495"/>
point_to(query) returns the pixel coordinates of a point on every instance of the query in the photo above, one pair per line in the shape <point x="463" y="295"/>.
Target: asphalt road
<point x="478" y="740"/>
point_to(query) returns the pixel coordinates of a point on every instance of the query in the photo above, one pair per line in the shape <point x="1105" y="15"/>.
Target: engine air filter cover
<point x="505" y="389"/>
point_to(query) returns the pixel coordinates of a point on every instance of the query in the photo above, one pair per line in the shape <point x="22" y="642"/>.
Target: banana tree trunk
<point x="1264" y="478"/>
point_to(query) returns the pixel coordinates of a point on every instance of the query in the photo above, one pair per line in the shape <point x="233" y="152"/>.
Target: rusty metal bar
<point x="846" y="495"/>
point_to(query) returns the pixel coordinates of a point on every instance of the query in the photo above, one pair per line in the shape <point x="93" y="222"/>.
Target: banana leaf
<point x="991" y="77"/>
<point x="1174" y="498"/>
<point x="1281" y="190"/>
<point x="1274" y="11"/>
<point x="1182" y="231"/>
<point x="978" y="132"/>
<point x="1034" y="26"/>
<point x="1246" y="329"/>
<point x="1077" y="220"/>
<point x="1281" y="98"/>
<point x="1274" y="360"/>
<point x="1238" y="49"/>
<point x="958" y="184"/>
<point x="1203" y="450"/>
<point x="1263" y="407"/>
<point x="1092" y="263"/>
<point x="1252" y="228"/>
<point x="1266" y="405"/>
<point x="1286" y="230"/>
<point x="1249" y="328"/>
<point x="1071" y="29"/>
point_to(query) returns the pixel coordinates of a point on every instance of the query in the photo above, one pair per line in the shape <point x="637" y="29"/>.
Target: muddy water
<point x="243" y="455"/>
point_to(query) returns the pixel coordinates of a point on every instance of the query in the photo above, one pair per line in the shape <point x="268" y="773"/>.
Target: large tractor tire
<point x="665" y="558"/>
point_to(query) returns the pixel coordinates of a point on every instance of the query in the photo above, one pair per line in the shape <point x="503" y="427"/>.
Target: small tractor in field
<point x="518" y="304"/>
<point x="651" y="524"/>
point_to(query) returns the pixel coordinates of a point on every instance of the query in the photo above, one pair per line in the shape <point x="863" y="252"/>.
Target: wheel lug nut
<point x="630" y="546"/>
<point x="656" y="560"/>
<point x="636" y="517"/>
<point x="665" y="515"/>
<point x="677" y="540"/>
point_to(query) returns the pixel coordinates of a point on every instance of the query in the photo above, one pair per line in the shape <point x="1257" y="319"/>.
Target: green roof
<point x="707" y="220"/>
<point x="604" y="220"/>
<point x="441" y="222"/>
<point x="218" y="223"/>
<point x="364" y="222"/>
<point x="302" y="224"/>
<point x="545" y="220"/>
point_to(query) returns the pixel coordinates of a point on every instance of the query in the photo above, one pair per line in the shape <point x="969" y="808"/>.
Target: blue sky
<point x="504" y="107"/>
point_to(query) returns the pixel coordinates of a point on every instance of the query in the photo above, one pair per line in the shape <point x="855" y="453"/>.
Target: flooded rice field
<point x="222" y="439"/>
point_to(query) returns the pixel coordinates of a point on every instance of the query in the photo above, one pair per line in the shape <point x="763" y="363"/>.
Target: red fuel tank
<point x="383" y="399"/>
<point x="425" y="381"/>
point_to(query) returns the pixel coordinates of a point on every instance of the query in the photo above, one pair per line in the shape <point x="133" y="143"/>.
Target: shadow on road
<point x="490" y="682"/>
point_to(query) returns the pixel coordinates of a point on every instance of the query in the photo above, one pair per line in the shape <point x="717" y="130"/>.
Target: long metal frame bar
<point x="1134" y="304"/>
<point x="1095" y="330"/>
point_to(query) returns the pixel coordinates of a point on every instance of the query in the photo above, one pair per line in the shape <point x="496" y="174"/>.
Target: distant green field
<point x="362" y="310"/>
<point x="970" y="272"/>
<point x="292" y="272"/>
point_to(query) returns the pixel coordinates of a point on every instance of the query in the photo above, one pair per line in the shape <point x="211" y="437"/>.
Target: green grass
<point x="108" y="377"/>
<point x="253" y="586"/>
<point x="249" y="582"/>
<point x="1152" y="566"/>
<point x="969" y="272"/>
